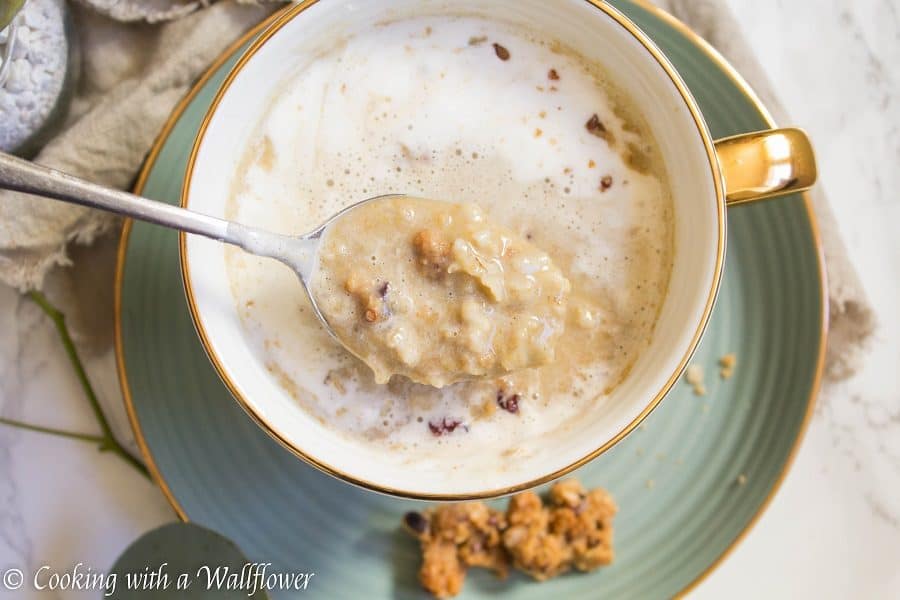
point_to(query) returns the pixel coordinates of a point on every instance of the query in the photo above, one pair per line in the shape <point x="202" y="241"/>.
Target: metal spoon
<point x="297" y="252"/>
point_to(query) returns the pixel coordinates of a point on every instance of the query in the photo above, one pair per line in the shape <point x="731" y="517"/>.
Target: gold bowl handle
<point x="765" y="164"/>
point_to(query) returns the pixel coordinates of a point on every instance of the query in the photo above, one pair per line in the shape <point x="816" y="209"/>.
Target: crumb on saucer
<point x="694" y="376"/>
<point x="727" y="364"/>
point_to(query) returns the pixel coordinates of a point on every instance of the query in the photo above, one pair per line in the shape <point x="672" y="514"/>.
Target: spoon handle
<point x="24" y="176"/>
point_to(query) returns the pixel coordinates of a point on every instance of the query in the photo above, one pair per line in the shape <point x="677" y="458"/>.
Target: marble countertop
<point x="832" y="531"/>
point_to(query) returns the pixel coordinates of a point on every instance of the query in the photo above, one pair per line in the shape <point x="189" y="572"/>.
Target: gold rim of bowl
<point x="273" y="22"/>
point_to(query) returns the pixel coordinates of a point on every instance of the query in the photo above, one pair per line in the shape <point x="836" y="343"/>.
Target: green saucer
<point x="689" y="481"/>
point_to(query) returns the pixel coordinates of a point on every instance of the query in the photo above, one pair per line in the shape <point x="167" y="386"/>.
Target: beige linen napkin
<point x="134" y="74"/>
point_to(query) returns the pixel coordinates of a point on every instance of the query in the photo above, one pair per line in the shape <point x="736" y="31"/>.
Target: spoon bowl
<point x="299" y="253"/>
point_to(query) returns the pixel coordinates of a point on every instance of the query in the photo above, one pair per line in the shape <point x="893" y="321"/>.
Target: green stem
<point x="107" y="441"/>
<point x="59" y="319"/>
<point x="96" y="439"/>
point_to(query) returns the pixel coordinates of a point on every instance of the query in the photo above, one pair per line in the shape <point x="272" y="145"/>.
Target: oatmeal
<point x="435" y="292"/>
<point x="428" y="107"/>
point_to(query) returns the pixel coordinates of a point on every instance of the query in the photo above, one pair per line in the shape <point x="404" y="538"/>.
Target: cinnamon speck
<point x="552" y="75"/>
<point x="501" y="52"/>
<point x="591" y="164"/>
<point x="538" y="132"/>
<point x="606" y="182"/>
<point x="477" y="40"/>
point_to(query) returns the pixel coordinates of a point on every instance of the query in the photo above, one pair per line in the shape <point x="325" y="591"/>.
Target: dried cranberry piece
<point x="416" y="522"/>
<point x="445" y="426"/>
<point x="509" y="403"/>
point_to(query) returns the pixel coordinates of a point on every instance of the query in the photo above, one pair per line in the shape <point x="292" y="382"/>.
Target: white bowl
<point x="597" y="31"/>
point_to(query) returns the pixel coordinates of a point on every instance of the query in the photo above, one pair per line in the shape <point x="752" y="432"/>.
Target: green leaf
<point x="8" y="10"/>
<point x="176" y="549"/>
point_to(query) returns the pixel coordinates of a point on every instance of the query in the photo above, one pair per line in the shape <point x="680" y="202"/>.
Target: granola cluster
<point x="455" y="537"/>
<point x="571" y="530"/>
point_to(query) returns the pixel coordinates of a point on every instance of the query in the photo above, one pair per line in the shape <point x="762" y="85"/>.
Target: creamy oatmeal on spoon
<point x="436" y="292"/>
